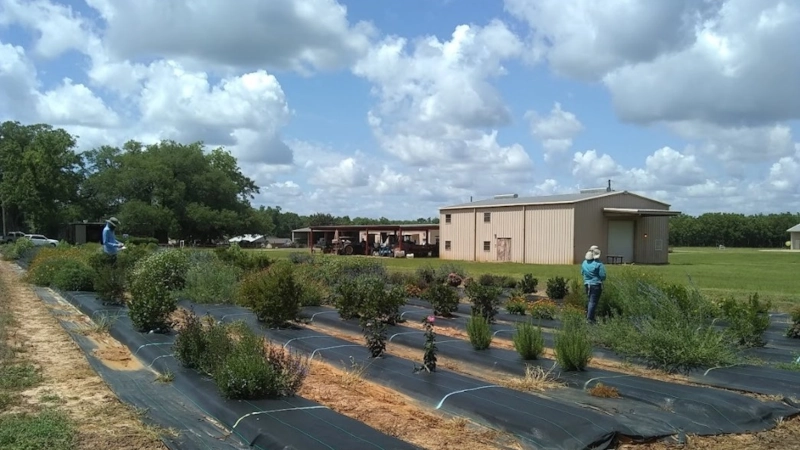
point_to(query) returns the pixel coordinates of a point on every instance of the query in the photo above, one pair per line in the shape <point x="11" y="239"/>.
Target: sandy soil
<point x="103" y="422"/>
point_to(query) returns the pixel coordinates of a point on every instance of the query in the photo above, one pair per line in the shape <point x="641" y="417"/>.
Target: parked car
<point x="11" y="237"/>
<point x="40" y="240"/>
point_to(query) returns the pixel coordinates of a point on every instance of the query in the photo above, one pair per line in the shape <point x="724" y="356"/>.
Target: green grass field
<point x="737" y="272"/>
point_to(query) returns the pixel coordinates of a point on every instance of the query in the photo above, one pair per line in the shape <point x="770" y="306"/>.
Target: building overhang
<point x="634" y="212"/>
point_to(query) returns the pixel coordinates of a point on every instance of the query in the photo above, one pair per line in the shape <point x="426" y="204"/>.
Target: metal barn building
<point x="557" y="229"/>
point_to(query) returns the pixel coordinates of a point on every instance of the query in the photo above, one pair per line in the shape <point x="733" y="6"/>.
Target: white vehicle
<point x="40" y="240"/>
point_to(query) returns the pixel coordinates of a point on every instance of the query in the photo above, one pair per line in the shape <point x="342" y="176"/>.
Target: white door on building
<point x="620" y="239"/>
<point x="797" y="244"/>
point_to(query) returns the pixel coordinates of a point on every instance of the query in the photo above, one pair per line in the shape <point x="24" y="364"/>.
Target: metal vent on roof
<point x="506" y="196"/>
<point x="593" y="190"/>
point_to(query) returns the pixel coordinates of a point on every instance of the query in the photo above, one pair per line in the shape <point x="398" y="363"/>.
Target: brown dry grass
<point x="345" y="391"/>
<point x="603" y="391"/>
<point x="102" y="421"/>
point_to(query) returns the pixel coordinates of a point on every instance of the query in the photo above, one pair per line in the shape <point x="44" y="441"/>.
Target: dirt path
<point x="102" y="421"/>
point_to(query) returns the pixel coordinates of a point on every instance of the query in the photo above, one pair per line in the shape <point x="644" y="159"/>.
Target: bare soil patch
<point x="345" y="391"/>
<point x="101" y="419"/>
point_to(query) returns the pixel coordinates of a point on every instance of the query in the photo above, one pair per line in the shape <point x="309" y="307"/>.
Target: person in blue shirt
<point x="110" y="244"/>
<point x="594" y="274"/>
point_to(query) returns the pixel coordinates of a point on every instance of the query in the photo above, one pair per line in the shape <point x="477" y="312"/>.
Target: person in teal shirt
<point x="594" y="274"/>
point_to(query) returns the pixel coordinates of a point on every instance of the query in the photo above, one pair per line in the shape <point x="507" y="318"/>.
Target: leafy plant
<point x="576" y="298"/>
<point x="429" y="355"/>
<point x="747" y="320"/>
<point x="454" y="280"/>
<point x="794" y="330"/>
<point x="528" y="340"/>
<point x="273" y="294"/>
<point x="191" y="343"/>
<point x="245" y="373"/>
<point x="557" y="288"/>
<point x="155" y="280"/>
<point x="516" y="305"/>
<point x="74" y="276"/>
<point x="380" y="301"/>
<point x="21" y="248"/>
<point x="426" y="274"/>
<point x="443" y="298"/>
<point x="528" y="283"/>
<point x="479" y="331"/>
<point x="485" y="299"/>
<point x="501" y="281"/>
<point x="445" y="270"/>
<point x="573" y="349"/>
<point x="544" y="309"/>
<point x="375" y="334"/>
<point x="211" y="281"/>
<point x="245" y="261"/>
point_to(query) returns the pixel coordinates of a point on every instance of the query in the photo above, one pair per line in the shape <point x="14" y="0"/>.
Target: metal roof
<point x="542" y="200"/>
<point x="794" y="229"/>
<point x="640" y="212"/>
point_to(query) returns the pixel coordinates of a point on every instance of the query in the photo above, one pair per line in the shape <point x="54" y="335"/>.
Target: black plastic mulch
<point x="285" y="424"/>
<point x="538" y="422"/>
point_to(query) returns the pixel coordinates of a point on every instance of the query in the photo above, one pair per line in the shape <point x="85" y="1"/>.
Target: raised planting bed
<point x="288" y="422"/>
<point x="537" y="422"/>
<point x="650" y="408"/>
<point x="752" y="378"/>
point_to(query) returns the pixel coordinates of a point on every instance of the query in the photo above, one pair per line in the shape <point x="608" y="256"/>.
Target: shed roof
<point x="544" y="200"/>
<point x="794" y="229"/>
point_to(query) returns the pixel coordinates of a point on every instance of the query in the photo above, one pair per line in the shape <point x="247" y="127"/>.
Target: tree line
<point x="731" y="230"/>
<point x="183" y="191"/>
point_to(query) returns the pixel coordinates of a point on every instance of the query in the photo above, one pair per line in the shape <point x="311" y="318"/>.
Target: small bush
<point x="573" y="349"/>
<point x="794" y="330"/>
<point x="426" y="274"/>
<point x="21" y="248"/>
<point x="528" y="341"/>
<point x="242" y="364"/>
<point x="247" y="262"/>
<point x="400" y="278"/>
<point x="301" y="258"/>
<point x="74" y="276"/>
<point x="429" y="355"/>
<point x="378" y="301"/>
<point x="501" y="281"/>
<point x="211" y="281"/>
<point x="443" y="298"/>
<point x="347" y="298"/>
<point x="528" y="284"/>
<point x="485" y="299"/>
<point x="557" y="288"/>
<point x="375" y="335"/>
<point x="576" y="298"/>
<point x="454" y="280"/>
<point x="517" y="305"/>
<point x="747" y="321"/>
<point x="155" y="281"/>
<point x="444" y="271"/>
<point x="543" y="309"/>
<point x="273" y="295"/>
<point x="479" y="331"/>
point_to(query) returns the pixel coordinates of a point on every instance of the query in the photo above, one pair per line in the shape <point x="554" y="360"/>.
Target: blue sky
<point x="329" y="111"/>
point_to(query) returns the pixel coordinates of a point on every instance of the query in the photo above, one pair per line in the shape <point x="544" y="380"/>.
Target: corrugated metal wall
<point x="591" y="228"/>
<point x="550" y="234"/>
<point x="505" y="223"/>
<point x="459" y="232"/>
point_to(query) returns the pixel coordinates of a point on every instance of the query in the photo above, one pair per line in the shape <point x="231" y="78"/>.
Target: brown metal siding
<point x="460" y="232"/>
<point x="591" y="228"/>
<point x="550" y="234"/>
<point x="504" y="223"/>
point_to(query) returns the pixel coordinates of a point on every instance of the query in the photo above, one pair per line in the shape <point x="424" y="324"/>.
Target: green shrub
<point x="211" y="281"/>
<point x="501" y="281"/>
<point x="427" y="274"/>
<point x="485" y="299"/>
<point x="400" y="278"/>
<point x="377" y="301"/>
<point x="656" y="327"/>
<point x="19" y="249"/>
<point x="347" y="298"/>
<point x="313" y="291"/>
<point x="154" y="283"/>
<point x="794" y="330"/>
<point x="479" y="331"/>
<point x="243" y="365"/>
<point x="74" y="276"/>
<point x="747" y="321"/>
<point x="573" y="349"/>
<point x="445" y="270"/>
<point x="576" y="298"/>
<point x="234" y="255"/>
<point x="443" y="298"/>
<point x="544" y="309"/>
<point x="516" y="305"/>
<point x="301" y="258"/>
<point x="273" y="295"/>
<point x="143" y="241"/>
<point x="528" y="284"/>
<point x="528" y="340"/>
<point x="557" y="288"/>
